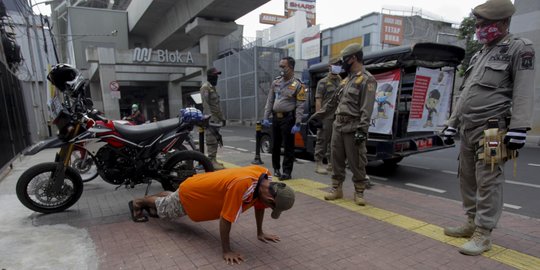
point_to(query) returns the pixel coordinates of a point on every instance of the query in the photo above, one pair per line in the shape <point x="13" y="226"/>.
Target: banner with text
<point x="382" y="117"/>
<point x="431" y="98"/>
<point x="392" y="30"/>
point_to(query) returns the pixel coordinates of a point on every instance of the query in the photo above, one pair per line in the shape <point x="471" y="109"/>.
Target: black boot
<point x="285" y="176"/>
<point x="277" y="173"/>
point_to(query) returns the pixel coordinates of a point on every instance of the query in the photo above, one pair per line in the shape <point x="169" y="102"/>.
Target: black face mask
<point x="212" y="80"/>
<point x="346" y="66"/>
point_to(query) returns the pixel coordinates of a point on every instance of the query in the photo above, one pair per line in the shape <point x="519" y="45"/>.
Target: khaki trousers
<point x="324" y="137"/>
<point x="344" y="149"/>
<point x="481" y="188"/>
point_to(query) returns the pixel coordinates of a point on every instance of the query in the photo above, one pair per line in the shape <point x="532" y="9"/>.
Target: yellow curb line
<point x="501" y="254"/>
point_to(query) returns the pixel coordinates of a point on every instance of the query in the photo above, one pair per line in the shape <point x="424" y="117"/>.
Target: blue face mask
<point x="335" y="69"/>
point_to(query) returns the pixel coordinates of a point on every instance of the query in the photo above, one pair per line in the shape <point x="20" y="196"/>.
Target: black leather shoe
<point x="285" y="176"/>
<point x="277" y="173"/>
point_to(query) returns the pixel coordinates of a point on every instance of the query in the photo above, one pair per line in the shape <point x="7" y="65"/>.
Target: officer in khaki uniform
<point x="326" y="88"/>
<point x="352" y="105"/>
<point x="497" y="94"/>
<point x="285" y="104"/>
<point x="211" y="106"/>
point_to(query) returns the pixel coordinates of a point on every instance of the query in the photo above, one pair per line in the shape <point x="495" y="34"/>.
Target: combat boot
<point x="479" y="243"/>
<point x="217" y="165"/>
<point x="329" y="168"/>
<point x="336" y="192"/>
<point x="320" y="168"/>
<point x="359" y="194"/>
<point x="465" y="230"/>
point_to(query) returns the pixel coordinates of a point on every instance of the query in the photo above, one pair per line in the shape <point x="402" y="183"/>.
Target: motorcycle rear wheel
<point x="182" y="165"/>
<point x="32" y="189"/>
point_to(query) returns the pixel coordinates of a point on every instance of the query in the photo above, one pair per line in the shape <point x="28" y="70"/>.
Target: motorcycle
<point x="124" y="155"/>
<point x="84" y="164"/>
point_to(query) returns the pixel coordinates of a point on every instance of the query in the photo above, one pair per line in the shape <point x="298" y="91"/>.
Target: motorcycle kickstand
<point x="147" y="188"/>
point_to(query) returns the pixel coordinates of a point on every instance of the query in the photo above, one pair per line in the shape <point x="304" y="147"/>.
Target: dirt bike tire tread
<point x="29" y="174"/>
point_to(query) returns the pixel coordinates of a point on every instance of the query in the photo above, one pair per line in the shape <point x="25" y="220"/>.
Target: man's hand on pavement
<point x="268" y="237"/>
<point x="233" y="257"/>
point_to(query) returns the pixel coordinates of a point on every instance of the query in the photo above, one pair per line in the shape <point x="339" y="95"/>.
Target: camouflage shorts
<point x="170" y="206"/>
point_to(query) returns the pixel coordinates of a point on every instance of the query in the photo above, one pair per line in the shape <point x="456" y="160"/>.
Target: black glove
<point x="448" y="135"/>
<point x="515" y="138"/>
<point x="316" y="123"/>
<point x="360" y="136"/>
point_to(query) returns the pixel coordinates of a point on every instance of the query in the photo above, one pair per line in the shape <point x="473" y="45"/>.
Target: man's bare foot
<point x="137" y="214"/>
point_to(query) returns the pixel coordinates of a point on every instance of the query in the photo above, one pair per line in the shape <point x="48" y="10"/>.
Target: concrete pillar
<point x="97" y="98"/>
<point x="209" y="45"/>
<point x="107" y="74"/>
<point x="175" y="98"/>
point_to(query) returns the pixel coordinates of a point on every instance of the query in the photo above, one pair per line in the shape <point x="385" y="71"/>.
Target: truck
<point x="415" y="86"/>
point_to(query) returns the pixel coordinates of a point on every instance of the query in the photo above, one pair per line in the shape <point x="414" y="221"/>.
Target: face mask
<point x="283" y="72"/>
<point x="335" y="69"/>
<point x="488" y="33"/>
<point x="346" y="66"/>
<point x="213" y="80"/>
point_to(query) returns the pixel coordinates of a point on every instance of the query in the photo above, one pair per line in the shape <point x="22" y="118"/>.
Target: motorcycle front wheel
<point x="34" y="189"/>
<point x="182" y="165"/>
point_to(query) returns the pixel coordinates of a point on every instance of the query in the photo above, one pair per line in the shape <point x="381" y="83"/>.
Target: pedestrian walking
<point x="493" y="114"/>
<point x="285" y="106"/>
<point x="352" y="105"/>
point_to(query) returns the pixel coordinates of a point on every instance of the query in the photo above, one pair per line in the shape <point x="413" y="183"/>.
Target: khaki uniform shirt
<point x="210" y="99"/>
<point x="286" y="96"/>
<point x="326" y="88"/>
<point x="352" y="103"/>
<point x="498" y="83"/>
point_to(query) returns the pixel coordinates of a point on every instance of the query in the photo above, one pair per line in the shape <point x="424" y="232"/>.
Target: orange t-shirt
<point x="225" y="193"/>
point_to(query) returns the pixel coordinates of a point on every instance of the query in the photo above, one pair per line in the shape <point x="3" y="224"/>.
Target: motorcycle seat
<point x="146" y="131"/>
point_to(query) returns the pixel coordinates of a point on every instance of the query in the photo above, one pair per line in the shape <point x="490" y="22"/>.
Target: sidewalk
<point x="399" y="229"/>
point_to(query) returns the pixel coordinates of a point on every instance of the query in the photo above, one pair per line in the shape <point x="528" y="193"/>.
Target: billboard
<point x="392" y="30"/>
<point x="267" y="18"/>
<point x="292" y="6"/>
<point x="311" y="43"/>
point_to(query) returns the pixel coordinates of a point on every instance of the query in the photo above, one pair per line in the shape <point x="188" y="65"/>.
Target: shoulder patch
<point x="301" y="94"/>
<point x="526" y="60"/>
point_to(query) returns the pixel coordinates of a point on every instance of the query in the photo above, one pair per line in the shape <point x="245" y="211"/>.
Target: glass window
<point x="367" y="39"/>
<point x="291" y="40"/>
<point x="325" y="50"/>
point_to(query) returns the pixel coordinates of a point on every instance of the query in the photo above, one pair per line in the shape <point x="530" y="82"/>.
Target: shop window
<point x="367" y="39"/>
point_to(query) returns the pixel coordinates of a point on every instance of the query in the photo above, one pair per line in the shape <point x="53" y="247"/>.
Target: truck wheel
<point x="392" y="161"/>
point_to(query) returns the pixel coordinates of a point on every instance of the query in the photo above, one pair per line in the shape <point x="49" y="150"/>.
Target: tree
<point x="467" y="31"/>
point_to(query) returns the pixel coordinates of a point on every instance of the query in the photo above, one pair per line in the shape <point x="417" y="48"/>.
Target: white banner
<point x="430" y="106"/>
<point x="382" y="117"/>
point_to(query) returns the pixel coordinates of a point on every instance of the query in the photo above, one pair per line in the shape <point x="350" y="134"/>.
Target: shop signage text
<point x="162" y="56"/>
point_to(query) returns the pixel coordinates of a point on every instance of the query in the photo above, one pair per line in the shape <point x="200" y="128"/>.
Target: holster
<point x="495" y="150"/>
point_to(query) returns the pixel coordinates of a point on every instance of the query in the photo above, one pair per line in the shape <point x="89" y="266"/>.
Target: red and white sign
<point x="115" y="89"/>
<point x="309" y="6"/>
<point x="382" y="118"/>
<point x="114" y="86"/>
<point x="431" y="97"/>
<point x="392" y="30"/>
<point x="267" y="18"/>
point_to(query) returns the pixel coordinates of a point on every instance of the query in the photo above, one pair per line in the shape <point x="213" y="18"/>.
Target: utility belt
<point x="344" y="118"/>
<point x="495" y="150"/>
<point x="280" y="115"/>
